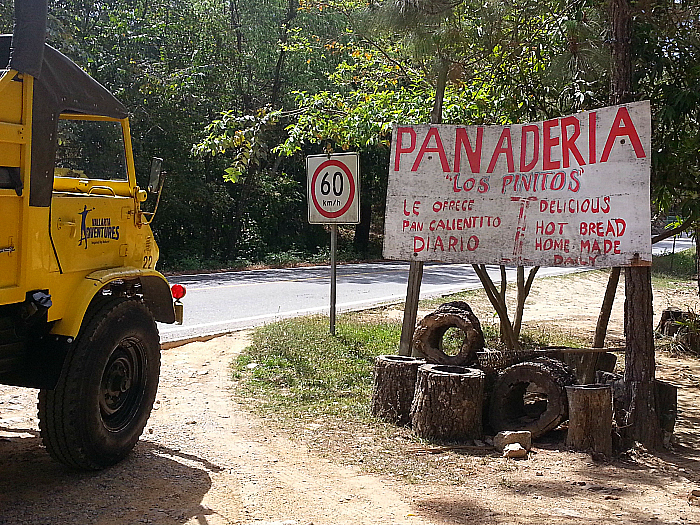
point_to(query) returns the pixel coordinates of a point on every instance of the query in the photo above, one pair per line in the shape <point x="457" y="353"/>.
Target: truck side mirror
<point x="154" y="182"/>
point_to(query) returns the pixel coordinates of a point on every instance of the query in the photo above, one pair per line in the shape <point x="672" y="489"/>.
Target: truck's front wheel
<point x="95" y="415"/>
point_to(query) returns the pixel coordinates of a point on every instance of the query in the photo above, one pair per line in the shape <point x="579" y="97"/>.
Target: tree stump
<point x="448" y="403"/>
<point x="394" y="384"/>
<point x="667" y="400"/>
<point x="586" y="365"/>
<point x="590" y="418"/>
<point x="427" y="339"/>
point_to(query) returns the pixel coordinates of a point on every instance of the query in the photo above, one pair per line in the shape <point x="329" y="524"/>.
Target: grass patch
<point x="675" y="266"/>
<point x="298" y="369"/>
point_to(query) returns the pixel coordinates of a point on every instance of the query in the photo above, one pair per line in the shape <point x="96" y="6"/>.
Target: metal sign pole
<point x="333" y="188"/>
<point x="334" y="247"/>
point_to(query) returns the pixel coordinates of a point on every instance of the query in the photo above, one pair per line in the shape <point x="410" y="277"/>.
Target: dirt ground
<point x="205" y="460"/>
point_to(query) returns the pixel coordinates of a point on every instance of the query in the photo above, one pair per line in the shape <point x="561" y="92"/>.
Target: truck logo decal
<point x="99" y="228"/>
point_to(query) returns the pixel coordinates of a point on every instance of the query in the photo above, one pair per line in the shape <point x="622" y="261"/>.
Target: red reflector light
<point x="178" y="291"/>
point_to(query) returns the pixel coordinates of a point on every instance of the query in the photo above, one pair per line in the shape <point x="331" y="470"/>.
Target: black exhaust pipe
<point x="29" y="36"/>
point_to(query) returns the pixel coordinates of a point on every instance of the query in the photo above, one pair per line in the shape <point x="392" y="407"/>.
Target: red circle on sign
<point x="351" y="181"/>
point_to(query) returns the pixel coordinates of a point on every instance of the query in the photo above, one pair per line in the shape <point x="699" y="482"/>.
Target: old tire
<point x="531" y="396"/>
<point x="96" y="413"/>
<point x="428" y="337"/>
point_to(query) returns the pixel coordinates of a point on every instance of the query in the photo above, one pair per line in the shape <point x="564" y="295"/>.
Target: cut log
<point x="585" y="365"/>
<point x="448" y="403"/>
<point x="394" y="384"/>
<point x="617" y="384"/>
<point x="590" y="418"/>
<point x="531" y="396"/>
<point x="667" y="401"/>
<point x="427" y="339"/>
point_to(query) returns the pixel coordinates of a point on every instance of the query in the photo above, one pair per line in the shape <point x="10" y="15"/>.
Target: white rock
<point x="514" y="450"/>
<point x="507" y="437"/>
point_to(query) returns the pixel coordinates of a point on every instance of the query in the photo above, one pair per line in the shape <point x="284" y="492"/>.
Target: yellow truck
<point x="79" y="295"/>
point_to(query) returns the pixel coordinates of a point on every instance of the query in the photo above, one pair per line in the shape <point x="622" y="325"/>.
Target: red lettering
<point x="621" y="226"/>
<point x="558" y="181"/>
<point x="568" y="144"/>
<point x="484" y="185"/>
<point x="507" y="180"/>
<point x="574" y="183"/>
<point x="504" y="146"/>
<point x="418" y="244"/>
<point x="474" y="155"/>
<point x="548" y="143"/>
<point x="623" y="127"/>
<point x="535" y="147"/>
<point x="399" y="144"/>
<point x="433" y="133"/>
<point x="591" y="137"/>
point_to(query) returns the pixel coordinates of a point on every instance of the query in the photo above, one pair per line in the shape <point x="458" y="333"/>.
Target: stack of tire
<point x="529" y="395"/>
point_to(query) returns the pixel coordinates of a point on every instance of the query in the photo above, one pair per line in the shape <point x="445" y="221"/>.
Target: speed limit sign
<point x="333" y="184"/>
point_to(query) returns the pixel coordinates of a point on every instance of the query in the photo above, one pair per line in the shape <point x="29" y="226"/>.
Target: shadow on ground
<point x="154" y="484"/>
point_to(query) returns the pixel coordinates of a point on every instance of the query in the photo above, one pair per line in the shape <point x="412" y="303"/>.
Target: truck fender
<point x="153" y="286"/>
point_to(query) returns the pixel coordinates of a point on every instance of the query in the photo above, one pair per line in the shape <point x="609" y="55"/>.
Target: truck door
<point x="12" y="143"/>
<point x="92" y="210"/>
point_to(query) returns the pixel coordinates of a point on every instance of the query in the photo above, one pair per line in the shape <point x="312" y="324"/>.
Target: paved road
<point x="222" y="302"/>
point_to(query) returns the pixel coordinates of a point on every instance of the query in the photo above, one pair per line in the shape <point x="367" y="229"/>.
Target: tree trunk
<point x="642" y="419"/>
<point x="590" y="418"/>
<point x="621" y="51"/>
<point x="292" y="8"/>
<point x="506" y="327"/>
<point x="394" y="384"/>
<point x="524" y="288"/>
<point x="448" y="403"/>
<point x="697" y="255"/>
<point x="497" y="300"/>
<point x="641" y="422"/>
<point x="361" y="239"/>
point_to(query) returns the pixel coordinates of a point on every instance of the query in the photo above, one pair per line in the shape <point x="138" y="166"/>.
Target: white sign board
<point x="571" y="191"/>
<point x="333" y="188"/>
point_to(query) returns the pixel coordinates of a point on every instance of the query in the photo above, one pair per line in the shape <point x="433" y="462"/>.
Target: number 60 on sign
<point x="333" y="188"/>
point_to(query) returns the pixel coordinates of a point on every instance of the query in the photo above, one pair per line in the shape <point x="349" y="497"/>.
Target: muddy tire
<point x="96" y="413"/>
<point x="531" y="396"/>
